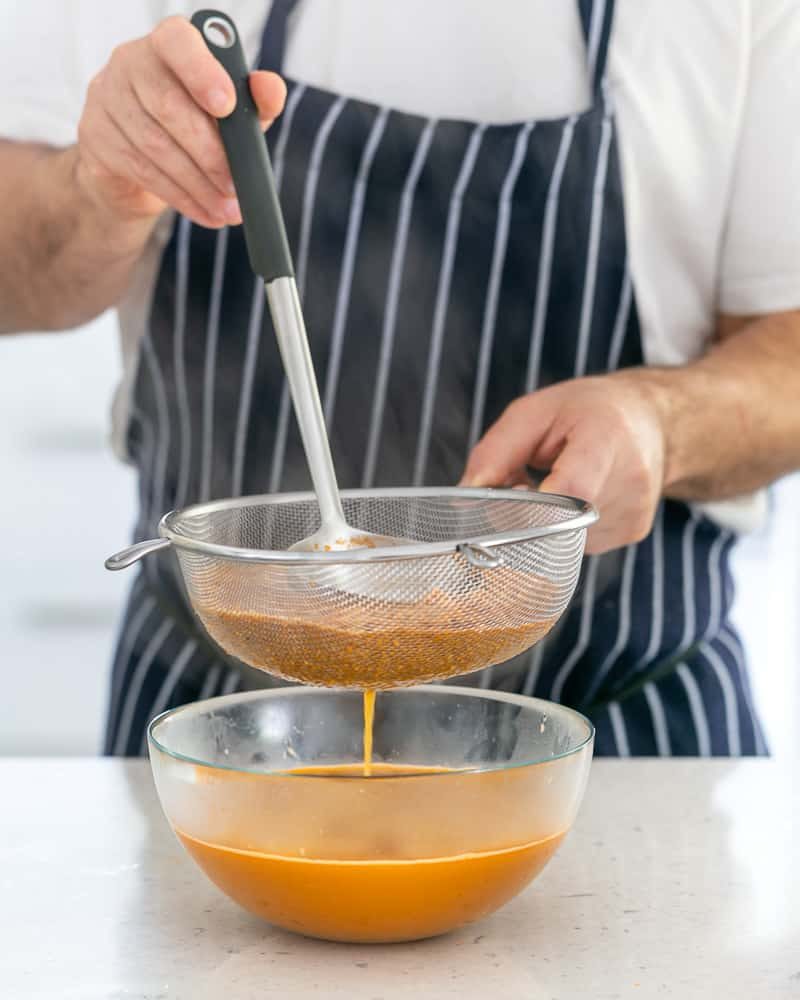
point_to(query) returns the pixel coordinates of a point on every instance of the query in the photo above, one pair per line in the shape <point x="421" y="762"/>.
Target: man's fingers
<point x="518" y="438"/>
<point x="583" y="467"/>
<point x="166" y="101"/>
<point x="180" y="46"/>
<point x="156" y="144"/>
<point x="163" y="93"/>
<point x="114" y="151"/>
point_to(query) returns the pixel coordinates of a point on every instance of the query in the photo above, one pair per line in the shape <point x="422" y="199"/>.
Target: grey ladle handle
<point x="127" y="557"/>
<point x="268" y="249"/>
<point x="246" y="150"/>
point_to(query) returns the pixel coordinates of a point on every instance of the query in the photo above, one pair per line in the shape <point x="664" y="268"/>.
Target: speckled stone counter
<point x="680" y="879"/>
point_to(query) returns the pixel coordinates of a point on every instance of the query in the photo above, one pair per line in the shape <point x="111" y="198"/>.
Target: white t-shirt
<point x="708" y="104"/>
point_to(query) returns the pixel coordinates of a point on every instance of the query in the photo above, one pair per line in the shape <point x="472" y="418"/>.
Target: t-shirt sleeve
<point x="50" y="52"/>
<point x="760" y="254"/>
<point x="38" y="78"/>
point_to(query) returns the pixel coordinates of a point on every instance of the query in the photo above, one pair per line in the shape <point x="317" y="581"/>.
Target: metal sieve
<point x="487" y="574"/>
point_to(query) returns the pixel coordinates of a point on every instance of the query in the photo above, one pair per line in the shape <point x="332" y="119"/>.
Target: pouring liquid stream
<point x="369" y="718"/>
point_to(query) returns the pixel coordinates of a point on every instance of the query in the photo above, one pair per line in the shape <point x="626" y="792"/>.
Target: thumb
<point x="269" y="94"/>
<point x="516" y="439"/>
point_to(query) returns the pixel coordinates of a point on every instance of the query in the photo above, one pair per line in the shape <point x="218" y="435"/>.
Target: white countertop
<point x="680" y="879"/>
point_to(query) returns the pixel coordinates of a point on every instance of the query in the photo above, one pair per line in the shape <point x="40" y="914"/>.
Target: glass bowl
<point x="470" y="794"/>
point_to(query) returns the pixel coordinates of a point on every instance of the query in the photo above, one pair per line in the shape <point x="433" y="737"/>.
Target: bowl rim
<point x="303" y="691"/>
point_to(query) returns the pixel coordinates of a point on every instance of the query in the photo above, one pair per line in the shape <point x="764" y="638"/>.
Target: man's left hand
<point x="602" y="438"/>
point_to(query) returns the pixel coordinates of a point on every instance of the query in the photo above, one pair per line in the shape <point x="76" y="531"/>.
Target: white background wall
<point x="66" y="503"/>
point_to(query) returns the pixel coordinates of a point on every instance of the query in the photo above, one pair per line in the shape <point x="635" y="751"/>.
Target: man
<point x="537" y="237"/>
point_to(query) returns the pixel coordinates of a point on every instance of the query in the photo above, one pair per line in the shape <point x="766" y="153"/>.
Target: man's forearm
<point x="63" y="257"/>
<point x="732" y="418"/>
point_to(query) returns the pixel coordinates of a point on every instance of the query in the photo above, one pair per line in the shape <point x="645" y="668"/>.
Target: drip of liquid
<point x="369" y="718"/>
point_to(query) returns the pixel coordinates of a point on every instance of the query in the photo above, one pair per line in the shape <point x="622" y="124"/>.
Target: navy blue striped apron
<point x="446" y="267"/>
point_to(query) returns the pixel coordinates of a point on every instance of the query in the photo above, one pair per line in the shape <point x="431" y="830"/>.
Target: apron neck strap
<point x="596" y="18"/>
<point x="273" y="42"/>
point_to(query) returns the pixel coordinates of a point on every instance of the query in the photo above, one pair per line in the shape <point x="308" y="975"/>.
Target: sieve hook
<point x="479" y="556"/>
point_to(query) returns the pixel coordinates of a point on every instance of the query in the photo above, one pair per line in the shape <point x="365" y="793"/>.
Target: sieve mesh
<point x="446" y="616"/>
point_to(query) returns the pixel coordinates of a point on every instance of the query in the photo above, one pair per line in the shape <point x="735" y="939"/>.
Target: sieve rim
<point x="585" y="514"/>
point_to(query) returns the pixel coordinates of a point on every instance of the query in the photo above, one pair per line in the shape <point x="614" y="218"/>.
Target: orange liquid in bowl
<point x="371" y="900"/>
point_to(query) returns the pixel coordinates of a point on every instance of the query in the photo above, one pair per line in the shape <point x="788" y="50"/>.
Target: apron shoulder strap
<point x="597" y="17"/>
<point x="273" y="41"/>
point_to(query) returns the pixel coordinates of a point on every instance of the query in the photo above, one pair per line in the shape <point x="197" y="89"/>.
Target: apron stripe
<point x="621" y="322"/>
<point x="134" y="688"/>
<point x="595" y="226"/>
<point x="728" y="697"/>
<point x="171" y="680"/>
<point x="310" y="193"/>
<point x="162" y="448"/>
<point x="715" y="585"/>
<point x="443" y="301"/>
<point x="584" y="631"/>
<point x="658" y="717"/>
<point x="167" y="689"/>
<point x="145" y="522"/>
<point x="544" y="276"/>
<point x="623" y="627"/>
<point x="210" y="682"/>
<point x="133" y="625"/>
<point x="246" y="391"/>
<point x="231" y="681"/>
<point x="618" y="728"/>
<point x="309" y="198"/>
<point x="179" y="362"/>
<point x="495" y="278"/>
<point x="696" y="709"/>
<point x="534" y="666"/>
<point x="148" y="457"/>
<point x="392" y="298"/>
<point x="731" y="642"/>
<point x="145" y="526"/>
<point x="687" y="562"/>
<point x="350" y="248"/>
<point x="286" y="127"/>
<point x="212" y="336"/>
<point x="657" y="610"/>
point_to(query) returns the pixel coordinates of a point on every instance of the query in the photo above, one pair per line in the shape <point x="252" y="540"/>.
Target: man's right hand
<point x="148" y="137"/>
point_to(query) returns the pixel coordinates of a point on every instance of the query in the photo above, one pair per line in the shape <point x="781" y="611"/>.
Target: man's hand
<point x="74" y="221"/>
<point x="719" y="427"/>
<point x="603" y="439"/>
<point x="148" y="137"/>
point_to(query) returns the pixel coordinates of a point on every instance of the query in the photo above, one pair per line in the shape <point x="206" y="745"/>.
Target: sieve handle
<point x="127" y="557"/>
